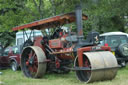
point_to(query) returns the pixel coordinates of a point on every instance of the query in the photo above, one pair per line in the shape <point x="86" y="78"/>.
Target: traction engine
<point x="62" y="51"/>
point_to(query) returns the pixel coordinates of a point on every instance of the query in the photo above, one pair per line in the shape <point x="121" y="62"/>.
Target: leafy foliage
<point x="6" y="38"/>
<point x="103" y="15"/>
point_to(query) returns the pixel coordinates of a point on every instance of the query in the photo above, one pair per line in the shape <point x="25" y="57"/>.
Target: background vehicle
<point x="0" y="50"/>
<point x="10" y="56"/>
<point x="21" y="38"/>
<point x="4" y="57"/>
<point x="14" y="58"/>
<point x="118" y="42"/>
<point x="57" y="51"/>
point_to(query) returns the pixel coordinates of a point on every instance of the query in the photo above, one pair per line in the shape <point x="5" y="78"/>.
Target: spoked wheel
<point x="83" y="75"/>
<point x="32" y="62"/>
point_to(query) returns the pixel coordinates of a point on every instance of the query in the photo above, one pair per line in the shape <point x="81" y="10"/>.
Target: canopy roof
<point x="50" y="22"/>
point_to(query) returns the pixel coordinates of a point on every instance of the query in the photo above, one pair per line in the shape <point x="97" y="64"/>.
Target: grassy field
<point x="17" y="78"/>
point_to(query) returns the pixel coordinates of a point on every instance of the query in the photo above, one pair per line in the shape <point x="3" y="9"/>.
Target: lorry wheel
<point x="14" y="65"/>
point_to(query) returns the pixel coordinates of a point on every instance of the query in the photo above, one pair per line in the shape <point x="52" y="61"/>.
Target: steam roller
<point x="57" y="51"/>
<point x="97" y="66"/>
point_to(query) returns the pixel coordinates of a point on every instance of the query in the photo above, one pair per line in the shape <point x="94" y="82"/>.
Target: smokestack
<point x="79" y="21"/>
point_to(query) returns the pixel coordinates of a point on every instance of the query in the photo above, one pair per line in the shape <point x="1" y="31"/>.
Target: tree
<point x="103" y="15"/>
<point x="11" y="14"/>
<point x="6" y="39"/>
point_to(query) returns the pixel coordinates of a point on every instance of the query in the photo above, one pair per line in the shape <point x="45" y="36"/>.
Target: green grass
<point x="17" y="78"/>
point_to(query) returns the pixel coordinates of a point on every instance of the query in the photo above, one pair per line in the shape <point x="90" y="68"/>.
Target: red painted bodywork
<point x="80" y="52"/>
<point x="60" y="51"/>
<point x="5" y="60"/>
<point x="55" y="43"/>
<point x="50" y="22"/>
<point x="15" y="57"/>
<point x="37" y="42"/>
<point x="65" y="53"/>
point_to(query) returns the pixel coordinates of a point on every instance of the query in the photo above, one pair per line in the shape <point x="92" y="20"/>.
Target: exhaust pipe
<point x="79" y="21"/>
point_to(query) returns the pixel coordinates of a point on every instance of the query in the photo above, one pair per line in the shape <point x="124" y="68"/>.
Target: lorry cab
<point x="21" y="38"/>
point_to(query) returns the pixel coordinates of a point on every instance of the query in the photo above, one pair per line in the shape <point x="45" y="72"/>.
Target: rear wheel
<point x="32" y="62"/>
<point x="14" y="66"/>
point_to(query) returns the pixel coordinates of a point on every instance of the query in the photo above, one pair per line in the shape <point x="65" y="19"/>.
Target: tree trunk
<point x="39" y="7"/>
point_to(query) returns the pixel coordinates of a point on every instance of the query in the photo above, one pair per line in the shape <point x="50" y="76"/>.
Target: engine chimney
<point x="79" y="21"/>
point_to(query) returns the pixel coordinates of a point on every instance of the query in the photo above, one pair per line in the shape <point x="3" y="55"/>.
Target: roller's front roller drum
<point x="103" y="66"/>
<point x="32" y="62"/>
